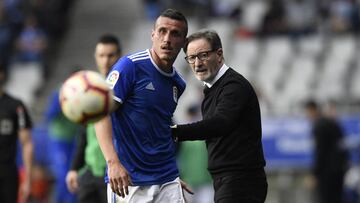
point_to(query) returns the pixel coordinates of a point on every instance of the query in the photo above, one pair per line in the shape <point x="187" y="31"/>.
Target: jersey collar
<point x="157" y="67"/>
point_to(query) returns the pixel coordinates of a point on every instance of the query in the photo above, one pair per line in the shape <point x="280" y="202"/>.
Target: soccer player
<point x="136" y="140"/>
<point x="15" y="124"/>
<point x="88" y="160"/>
<point x="231" y="124"/>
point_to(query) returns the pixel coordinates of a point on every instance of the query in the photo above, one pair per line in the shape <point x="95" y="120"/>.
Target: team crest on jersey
<point x="175" y="94"/>
<point x="113" y="78"/>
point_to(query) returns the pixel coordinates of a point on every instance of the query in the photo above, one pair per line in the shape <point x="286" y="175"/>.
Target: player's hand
<point x="119" y="178"/>
<point x="72" y="181"/>
<point x="185" y="187"/>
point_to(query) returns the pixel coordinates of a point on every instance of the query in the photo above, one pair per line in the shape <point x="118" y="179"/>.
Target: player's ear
<point x="152" y="34"/>
<point x="219" y="53"/>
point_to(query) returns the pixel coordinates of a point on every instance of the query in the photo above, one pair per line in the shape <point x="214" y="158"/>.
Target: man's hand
<point x="72" y="181"/>
<point x="119" y="178"/>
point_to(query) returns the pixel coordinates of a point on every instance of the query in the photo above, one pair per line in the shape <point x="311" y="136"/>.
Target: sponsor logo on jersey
<point x="113" y="78"/>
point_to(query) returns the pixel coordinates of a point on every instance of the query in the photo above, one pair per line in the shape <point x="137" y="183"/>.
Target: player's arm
<point x="27" y="154"/>
<point x="77" y="163"/>
<point x="104" y="137"/>
<point x="79" y="158"/>
<point x="119" y="178"/>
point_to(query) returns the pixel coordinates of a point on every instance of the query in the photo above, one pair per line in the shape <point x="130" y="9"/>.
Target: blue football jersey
<point x="141" y="126"/>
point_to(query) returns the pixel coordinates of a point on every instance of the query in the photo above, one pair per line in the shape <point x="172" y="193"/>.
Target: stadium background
<point x="290" y="50"/>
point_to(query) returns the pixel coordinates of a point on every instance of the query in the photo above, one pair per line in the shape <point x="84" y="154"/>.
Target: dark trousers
<point x="92" y="189"/>
<point x="232" y="189"/>
<point x="9" y="184"/>
<point x="330" y="187"/>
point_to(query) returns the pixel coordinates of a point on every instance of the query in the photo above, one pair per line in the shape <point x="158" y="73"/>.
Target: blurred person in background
<point x="61" y="132"/>
<point x="136" y="138"/>
<point x="53" y="17"/>
<point x="341" y="15"/>
<point x="31" y="43"/>
<point x="330" y="156"/>
<point x="27" y="62"/>
<point x="192" y="159"/>
<point x="86" y="175"/>
<point x="31" y="46"/>
<point x="274" y="20"/>
<point x="15" y="124"/>
<point x="301" y="17"/>
<point x="231" y="124"/>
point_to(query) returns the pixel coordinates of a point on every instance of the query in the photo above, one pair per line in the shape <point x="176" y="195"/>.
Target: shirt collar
<point x="220" y="73"/>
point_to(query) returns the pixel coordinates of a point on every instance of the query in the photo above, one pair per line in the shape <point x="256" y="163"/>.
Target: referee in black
<point x="231" y="124"/>
<point x="15" y="125"/>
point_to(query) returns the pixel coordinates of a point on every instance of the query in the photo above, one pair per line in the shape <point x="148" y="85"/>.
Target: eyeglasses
<point x="202" y="56"/>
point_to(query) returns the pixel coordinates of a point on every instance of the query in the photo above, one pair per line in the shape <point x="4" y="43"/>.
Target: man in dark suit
<point x="231" y="124"/>
<point x="330" y="156"/>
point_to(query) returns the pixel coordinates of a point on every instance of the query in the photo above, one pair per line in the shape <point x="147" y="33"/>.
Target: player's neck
<point x="166" y="68"/>
<point x="164" y="65"/>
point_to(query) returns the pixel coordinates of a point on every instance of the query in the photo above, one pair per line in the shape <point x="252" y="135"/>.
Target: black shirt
<point x="330" y="154"/>
<point x="13" y="117"/>
<point x="231" y="126"/>
<point x="79" y="158"/>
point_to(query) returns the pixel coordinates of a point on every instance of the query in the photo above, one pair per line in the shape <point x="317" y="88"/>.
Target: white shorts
<point x="170" y="192"/>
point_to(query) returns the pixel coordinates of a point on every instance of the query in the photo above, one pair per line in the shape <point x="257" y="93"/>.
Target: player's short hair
<point x="210" y="36"/>
<point x="110" y="39"/>
<point x="175" y="15"/>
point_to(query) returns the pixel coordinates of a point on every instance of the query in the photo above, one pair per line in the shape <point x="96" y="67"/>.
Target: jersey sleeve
<point x="24" y="120"/>
<point x="78" y="160"/>
<point x="181" y="84"/>
<point x="121" y="79"/>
